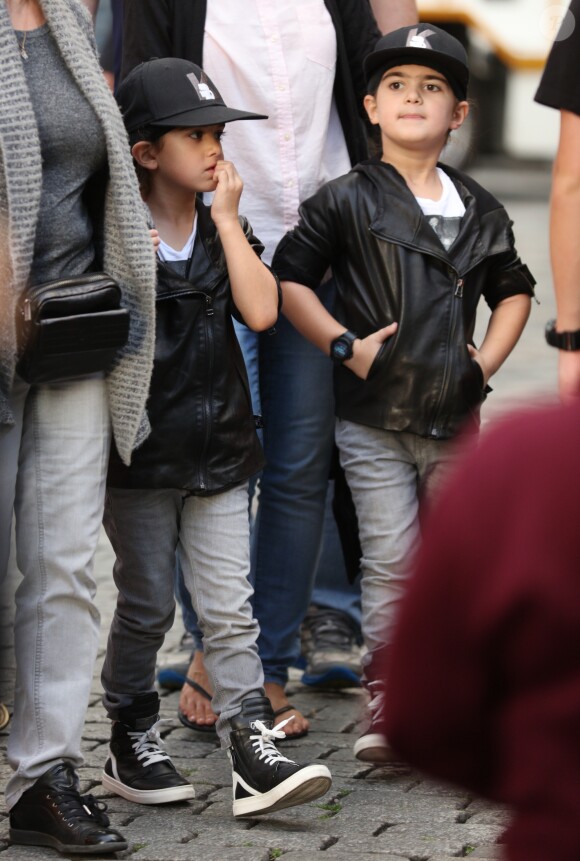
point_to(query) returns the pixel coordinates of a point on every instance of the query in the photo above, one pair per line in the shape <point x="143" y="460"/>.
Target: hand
<point x="476" y="354"/>
<point x="155" y="238"/>
<point x="569" y="374"/>
<point x="365" y="350"/>
<point x="227" y="194"/>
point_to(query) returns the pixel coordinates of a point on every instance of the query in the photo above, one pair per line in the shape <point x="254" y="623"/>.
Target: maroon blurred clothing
<point x="483" y="687"/>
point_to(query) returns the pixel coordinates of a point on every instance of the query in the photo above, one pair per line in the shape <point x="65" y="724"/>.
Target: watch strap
<point x="341" y="347"/>
<point x="562" y="340"/>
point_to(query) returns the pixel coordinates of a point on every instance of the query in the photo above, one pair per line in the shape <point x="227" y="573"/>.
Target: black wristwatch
<point x="341" y="347"/>
<point x="562" y="340"/>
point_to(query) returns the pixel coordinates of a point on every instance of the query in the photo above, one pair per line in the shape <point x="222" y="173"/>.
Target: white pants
<point x="53" y="464"/>
<point x="388" y="472"/>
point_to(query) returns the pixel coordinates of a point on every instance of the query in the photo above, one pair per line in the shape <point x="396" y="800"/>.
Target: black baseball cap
<point x="173" y="93"/>
<point x="422" y="45"/>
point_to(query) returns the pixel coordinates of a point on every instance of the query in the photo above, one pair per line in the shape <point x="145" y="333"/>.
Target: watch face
<point x="341" y="347"/>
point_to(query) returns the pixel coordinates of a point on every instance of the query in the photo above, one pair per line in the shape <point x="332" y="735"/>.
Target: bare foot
<point x="194" y="705"/>
<point x="278" y="698"/>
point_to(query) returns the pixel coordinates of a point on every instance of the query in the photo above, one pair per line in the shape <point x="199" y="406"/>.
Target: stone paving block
<point x="426" y="786"/>
<point x="336" y="854"/>
<point x="157" y="851"/>
<point x="489" y="853"/>
<point x="499" y="818"/>
<point x="424" y="839"/>
<point x="397" y="809"/>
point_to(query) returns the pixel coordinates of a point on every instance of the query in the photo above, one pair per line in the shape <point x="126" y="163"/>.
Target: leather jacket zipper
<point x="455" y="310"/>
<point x="208" y="394"/>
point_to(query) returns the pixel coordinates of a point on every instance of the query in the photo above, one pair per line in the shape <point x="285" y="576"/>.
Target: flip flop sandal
<point x="283" y="710"/>
<point x="4" y="716"/>
<point x="173" y="677"/>
<point x="190" y="724"/>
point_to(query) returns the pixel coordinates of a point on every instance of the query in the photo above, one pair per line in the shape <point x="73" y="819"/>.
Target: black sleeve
<point x="559" y="83"/>
<point x="508" y="276"/>
<point x="162" y="28"/>
<point x="360" y="37"/>
<point x="305" y="253"/>
<point x="356" y="36"/>
<point x="146" y="31"/>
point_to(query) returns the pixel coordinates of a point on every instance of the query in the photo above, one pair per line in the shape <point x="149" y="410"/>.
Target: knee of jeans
<point x="153" y="620"/>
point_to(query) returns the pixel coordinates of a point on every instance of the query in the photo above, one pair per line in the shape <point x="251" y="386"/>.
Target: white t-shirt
<point x="178" y="258"/>
<point x="278" y="59"/>
<point x="444" y="215"/>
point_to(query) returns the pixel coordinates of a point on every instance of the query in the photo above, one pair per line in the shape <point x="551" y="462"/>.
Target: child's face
<point x="186" y="158"/>
<point x="415" y="108"/>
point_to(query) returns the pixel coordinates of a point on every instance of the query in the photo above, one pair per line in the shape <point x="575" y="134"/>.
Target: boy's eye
<point x="196" y="136"/>
<point x="220" y="134"/>
<point x="433" y="88"/>
<point x="396" y="85"/>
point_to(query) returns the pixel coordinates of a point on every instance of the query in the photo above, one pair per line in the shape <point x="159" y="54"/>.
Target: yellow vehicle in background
<point x="507" y="43"/>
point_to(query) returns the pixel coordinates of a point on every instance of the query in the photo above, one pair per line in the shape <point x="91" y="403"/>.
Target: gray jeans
<point x="53" y="464"/>
<point x="145" y="528"/>
<point x="388" y="472"/>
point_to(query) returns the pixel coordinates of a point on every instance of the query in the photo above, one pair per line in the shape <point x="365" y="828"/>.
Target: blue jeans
<point x="53" y="464"/>
<point x="331" y="587"/>
<point x="145" y="528"/>
<point x="298" y="408"/>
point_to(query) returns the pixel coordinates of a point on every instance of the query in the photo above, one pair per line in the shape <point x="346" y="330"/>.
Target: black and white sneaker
<point x="263" y="779"/>
<point x="138" y="767"/>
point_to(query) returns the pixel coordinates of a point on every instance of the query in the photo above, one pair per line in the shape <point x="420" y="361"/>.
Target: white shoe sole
<point x="374" y="748"/>
<point x="305" y="785"/>
<point x="148" y="796"/>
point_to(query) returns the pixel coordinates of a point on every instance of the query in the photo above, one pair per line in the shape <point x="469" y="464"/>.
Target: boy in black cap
<point x="413" y="245"/>
<point x="186" y="487"/>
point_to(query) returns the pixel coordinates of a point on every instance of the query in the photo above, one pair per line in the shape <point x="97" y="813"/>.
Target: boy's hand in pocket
<point x="365" y="350"/>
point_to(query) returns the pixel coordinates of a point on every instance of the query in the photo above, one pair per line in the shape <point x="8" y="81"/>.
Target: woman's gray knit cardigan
<point x="128" y="251"/>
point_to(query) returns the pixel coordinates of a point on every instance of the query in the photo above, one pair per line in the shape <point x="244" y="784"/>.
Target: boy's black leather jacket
<point x="389" y="265"/>
<point x="203" y="436"/>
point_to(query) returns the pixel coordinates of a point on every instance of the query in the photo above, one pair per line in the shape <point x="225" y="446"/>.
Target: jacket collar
<point x="399" y="219"/>
<point x="208" y="262"/>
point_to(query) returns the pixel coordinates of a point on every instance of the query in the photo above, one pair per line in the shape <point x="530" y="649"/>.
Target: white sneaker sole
<point x="148" y="796"/>
<point x="305" y="785"/>
<point x="374" y="748"/>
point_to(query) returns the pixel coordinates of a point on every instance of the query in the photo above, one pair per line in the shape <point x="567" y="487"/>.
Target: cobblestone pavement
<point x="368" y="813"/>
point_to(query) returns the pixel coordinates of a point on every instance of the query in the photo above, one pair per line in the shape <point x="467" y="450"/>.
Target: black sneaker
<point x="138" y="768"/>
<point x="263" y="779"/>
<point x="54" y="813"/>
<point x="329" y="644"/>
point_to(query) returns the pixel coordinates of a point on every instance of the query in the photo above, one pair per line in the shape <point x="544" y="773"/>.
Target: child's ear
<point x="145" y="154"/>
<point x="370" y="104"/>
<point x="459" y="115"/>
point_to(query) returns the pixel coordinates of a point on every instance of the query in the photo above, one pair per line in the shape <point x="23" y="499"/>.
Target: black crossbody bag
<point x="70" y="328"/>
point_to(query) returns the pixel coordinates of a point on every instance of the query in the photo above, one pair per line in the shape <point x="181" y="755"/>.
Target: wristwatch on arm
<point x="562" y="340"/>
<point x="341" y="347"/>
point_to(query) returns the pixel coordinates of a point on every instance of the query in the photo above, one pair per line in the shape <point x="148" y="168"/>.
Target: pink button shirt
<point x="277" y="58"/>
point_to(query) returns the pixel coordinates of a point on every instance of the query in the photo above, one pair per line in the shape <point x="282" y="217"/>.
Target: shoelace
<point x="377" y="700"/>
<point x="76" y="807"/>
<point x="264" y="742"/>
<point x="148" y="746"/>
<point x="331" y="629"/>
